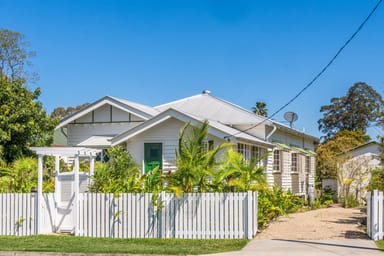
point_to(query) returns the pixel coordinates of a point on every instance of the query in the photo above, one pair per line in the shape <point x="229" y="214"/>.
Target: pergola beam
<point x="58" y="152"/>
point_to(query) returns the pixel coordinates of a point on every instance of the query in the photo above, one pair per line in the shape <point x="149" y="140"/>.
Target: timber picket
<point x="193" y="216"/>
<point x="375" y="215"/>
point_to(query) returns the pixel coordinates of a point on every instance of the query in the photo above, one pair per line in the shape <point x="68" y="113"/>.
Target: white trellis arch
<point x="57" y="152"/>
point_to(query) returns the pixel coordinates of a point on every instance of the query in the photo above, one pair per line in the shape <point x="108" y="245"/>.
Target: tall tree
<point x="356" y="111"/>
<point x="330" y="154"/>
<point x="61" y="112"/>
<point x="260" y="109"/>
<point x="14" y="55"/>
<point x="23" y="121"/>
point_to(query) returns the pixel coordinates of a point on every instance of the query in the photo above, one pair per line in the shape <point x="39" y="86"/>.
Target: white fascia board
<point x="102" y="102"/>
<point x="136" y="130"/>
<point x="79" y="114"/>
<point x="256" y="142"/>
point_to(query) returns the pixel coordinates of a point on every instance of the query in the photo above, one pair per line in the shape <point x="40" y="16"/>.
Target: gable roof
<point x="373" y="145"/>
<point x="219" y="110"/>
<point x="215" y="128"/>
<point x="212" y="108"/>
<point x="140" y="110"/>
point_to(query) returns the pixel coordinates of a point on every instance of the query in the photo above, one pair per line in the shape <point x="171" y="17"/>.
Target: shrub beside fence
<point x="194" y="215"/>
<point x="375" y="215"/>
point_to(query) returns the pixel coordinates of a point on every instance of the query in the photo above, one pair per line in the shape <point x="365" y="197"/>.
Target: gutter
<point x="271" y="133"/>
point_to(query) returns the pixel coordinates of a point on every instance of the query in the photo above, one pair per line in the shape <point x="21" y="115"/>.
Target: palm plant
<point x="194" y="163"/>
<point x="22" y="175"/>
<point x="260" y="109"/>
<point x="242" y="175"/>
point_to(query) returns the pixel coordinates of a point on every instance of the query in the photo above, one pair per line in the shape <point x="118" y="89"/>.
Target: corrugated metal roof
<point x="144" y="108"/>
<point x="238" y="134"/>
<point x="224" y="129"/>
<point x="212" y="108"/>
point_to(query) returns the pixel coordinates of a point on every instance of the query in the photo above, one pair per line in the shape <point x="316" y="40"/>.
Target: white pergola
<point x="57" y="152"/>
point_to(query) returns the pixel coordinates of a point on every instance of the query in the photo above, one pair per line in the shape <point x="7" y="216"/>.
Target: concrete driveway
<point x="331" y="231"/>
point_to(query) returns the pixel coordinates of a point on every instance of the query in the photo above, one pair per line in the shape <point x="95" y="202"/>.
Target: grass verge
<point x="71" y="244"/>
<point x="380" y="244"/>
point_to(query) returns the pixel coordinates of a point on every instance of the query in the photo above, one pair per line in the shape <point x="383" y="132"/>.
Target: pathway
<point x="324" y="232"/>
<point x="328" y="223"/>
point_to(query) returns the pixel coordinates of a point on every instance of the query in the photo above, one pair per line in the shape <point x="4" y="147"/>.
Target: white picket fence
<point x="18" y="214"/>
<point x="375" y="215"/>
<point x="194" y="216"/>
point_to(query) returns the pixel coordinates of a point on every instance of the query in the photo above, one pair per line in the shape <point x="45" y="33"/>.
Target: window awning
<point x="282" y="145"/>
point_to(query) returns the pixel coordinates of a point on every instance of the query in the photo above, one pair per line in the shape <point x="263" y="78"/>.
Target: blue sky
<point x="153" y="52"/>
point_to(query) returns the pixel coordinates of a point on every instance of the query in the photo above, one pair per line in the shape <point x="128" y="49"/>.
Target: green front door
<point x="152" y="156"/>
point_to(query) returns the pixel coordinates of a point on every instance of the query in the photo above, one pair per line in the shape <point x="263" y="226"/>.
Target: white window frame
<point x="307" y="164"/>
<point x="295" y="162"/>
<point x="277" y="160"/>
<point x="207" y="145"/>
<point x="250" y="151"/>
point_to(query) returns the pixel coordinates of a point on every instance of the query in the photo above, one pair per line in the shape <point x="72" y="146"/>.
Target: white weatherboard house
<point x="150" y="134"/>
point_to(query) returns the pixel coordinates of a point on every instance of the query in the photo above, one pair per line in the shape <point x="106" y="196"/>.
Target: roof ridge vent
<point x="206" y="92"/>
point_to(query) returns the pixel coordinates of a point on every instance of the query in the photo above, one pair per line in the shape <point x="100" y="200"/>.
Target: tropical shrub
<point x="234" y="174"/>
<point x="119" y="175"/>
<point x="377" y="180"/>
<point x="21" y="177"/>
<point x="195" y="164"/>
<point x="276" y="202"/>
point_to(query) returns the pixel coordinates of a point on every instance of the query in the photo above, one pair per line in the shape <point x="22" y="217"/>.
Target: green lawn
<point x="113" y="245"/>
<point x="380" y="244"/>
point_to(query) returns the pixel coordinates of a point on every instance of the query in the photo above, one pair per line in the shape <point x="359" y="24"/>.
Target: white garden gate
<point x="65" y="200"/>
<point x="67" y="187"/>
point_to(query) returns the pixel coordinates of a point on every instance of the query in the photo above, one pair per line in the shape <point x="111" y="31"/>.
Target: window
<point x="207" y="145"/>
<point x="307" y="164"/>
<point x="241" y="148"/>
<point x="250" y="152"/>
<point x="255" y="152"/>
<point x="276" y="160"/>
<point x="294" y="162"/>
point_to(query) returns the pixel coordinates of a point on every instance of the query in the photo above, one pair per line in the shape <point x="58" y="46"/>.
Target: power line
<point x="319" y="74"/>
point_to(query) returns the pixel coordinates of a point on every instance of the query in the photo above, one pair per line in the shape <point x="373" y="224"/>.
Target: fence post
<point x="369" y="210"/>
<point x="249" y="217"/>
<point x="374" y="229"/>
<point x="255" y="212"/>
<point x="161" y="216"/>
<point x="39" y="193"/>
<point x="380" y="215"/>
<point x="76" y="196"/>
